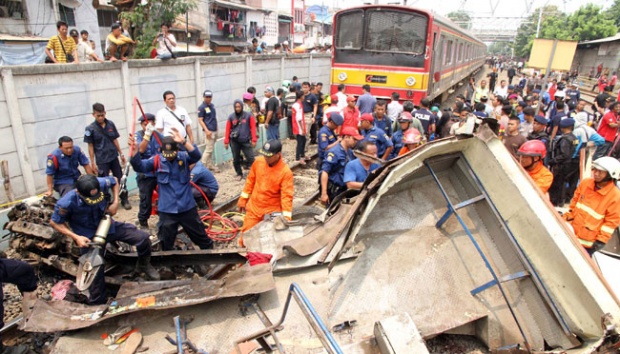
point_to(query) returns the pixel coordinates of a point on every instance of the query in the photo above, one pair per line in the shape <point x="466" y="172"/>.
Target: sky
<point x="504" y="8"/>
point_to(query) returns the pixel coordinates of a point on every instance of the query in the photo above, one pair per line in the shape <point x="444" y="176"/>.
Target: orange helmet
<point x="533" y="148"/>
<point x="412" y="136"/>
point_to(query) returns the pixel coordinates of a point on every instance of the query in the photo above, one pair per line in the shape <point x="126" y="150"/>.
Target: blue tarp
<point x="22" y="53"/>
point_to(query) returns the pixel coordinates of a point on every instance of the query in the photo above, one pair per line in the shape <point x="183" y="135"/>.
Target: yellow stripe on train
<point x="380" y="78"/>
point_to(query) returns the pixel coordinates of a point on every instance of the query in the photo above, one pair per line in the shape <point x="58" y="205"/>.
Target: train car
<point x="401" y="49"/>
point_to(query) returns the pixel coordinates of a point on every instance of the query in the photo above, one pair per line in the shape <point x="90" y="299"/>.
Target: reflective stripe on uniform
<point x="607" y="229"/>
<point x="287" y="214"/>
<point x="590" y="211"/>
<point x="586" y="244"/>
<point x="245" y="195"/>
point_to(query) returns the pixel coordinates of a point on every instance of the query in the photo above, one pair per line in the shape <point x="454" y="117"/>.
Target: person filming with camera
<point x="164" y="41"/>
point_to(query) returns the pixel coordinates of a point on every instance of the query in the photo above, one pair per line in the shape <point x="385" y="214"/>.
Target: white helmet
<point x="560" y="94"/>
<point x="609" y="164"/>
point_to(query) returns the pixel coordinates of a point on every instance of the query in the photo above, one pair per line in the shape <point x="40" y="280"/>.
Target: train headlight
<point x="410" y="81"/>
<point x="342" y="76"/>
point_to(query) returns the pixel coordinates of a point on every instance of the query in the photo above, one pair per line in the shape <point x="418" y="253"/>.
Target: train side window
<point x="448" y="57"/>
<point x="349" y="33"/>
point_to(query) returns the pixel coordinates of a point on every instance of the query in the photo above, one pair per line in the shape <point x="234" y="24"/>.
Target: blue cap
<point x="511" y="87"/>
<point x="567" y="122"/>
<point x="541" y="120"/>
<point x="536" y="91"/>
<point x="336" y="118"/>
<point x="149" y="116"/>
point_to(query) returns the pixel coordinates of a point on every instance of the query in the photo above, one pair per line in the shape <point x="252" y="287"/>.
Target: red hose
<point x="229" y="229"/>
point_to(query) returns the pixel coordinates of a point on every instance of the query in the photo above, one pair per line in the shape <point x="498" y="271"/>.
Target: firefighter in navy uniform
<point x="176" y="205"/>
<point x="327" y="136"/>
<point x="564" y="164"/>
<point x="82" y="209"/>
<point x="62" y="167"/>
<point x="149" y="144"/>
<point x="331" y="175"/>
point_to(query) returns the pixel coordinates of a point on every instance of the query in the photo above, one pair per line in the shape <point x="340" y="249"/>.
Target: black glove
<point x="597" y="246"/>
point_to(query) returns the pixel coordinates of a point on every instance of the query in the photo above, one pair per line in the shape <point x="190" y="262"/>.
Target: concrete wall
<point x="40" y="103"/>
<point x="588" y="58"/>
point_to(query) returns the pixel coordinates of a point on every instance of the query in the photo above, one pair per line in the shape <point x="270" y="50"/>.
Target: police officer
<point x="82" y="209"/>
<point x="539" y="130"/>
<point x="327" y="135"/>
<point x="102" y="139"/>
<point x="428" y="119"/>
<point x="564" y="164"/>
<point x="176" y="203"/>
<point x="332" y="169"/>
<point x="62" y="166"/>
<point x="205" y="182"/>
<point x="149" y="144"/>
<point x="376" y="135"/>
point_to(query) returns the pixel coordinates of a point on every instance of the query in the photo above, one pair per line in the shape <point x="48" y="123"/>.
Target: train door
<point x="435" y="67"/>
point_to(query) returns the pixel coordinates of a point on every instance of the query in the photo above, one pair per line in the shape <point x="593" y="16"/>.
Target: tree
<point x="613" y="13"/>
<point x="587" y="23"/>
<point x="146" y="18"/>
<point x="500" y="48"/>
<point x="461" y="18"/>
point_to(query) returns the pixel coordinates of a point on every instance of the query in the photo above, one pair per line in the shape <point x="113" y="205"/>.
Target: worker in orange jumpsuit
<point x="594" y="211"/>
<point x="531" y="155"/>
<point x="411" y="139"/>
<point x="268" y="190"/>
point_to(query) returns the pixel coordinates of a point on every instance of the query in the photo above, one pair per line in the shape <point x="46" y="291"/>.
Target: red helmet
<point x="533" y="148"/>
<point x="405" y="117"/>
<point x="412" y="136"/>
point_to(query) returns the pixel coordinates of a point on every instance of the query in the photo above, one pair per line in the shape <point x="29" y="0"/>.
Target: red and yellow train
<point x="401" y="49"/>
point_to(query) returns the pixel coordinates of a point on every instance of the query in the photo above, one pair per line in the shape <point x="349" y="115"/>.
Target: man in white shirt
<point x="165" y="42"/>
<point x="173" y="116"/>
<point x="394" y="108"/>
<point x="342" y="98"/>
<point x="84" y="48"/>
<point x="502" y="90"/>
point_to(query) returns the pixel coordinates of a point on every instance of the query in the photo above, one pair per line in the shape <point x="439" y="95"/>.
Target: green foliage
<point x="613" y="13"/>
<point x="587" y="23"/>
<point x="461" y="18"/>
<point x="146" y="19"/>
<point x="503" y="48"/>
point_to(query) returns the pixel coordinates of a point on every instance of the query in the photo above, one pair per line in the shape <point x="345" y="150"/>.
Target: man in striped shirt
<point x="61" y="45"/>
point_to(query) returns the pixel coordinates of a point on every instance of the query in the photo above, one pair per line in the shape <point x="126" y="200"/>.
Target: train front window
<point x="349" y="35"/>
<point x="395" y="32"/>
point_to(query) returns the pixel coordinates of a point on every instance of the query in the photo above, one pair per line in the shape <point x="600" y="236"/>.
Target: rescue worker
<point x="149" y="145"/>
<point x="22" y="275"/>
<point x="241" y="135"/>
<point x="332" y="169"/>
<point x="539" y="130"/>
<point x="204" y="179"/>
<point x="376" y="135"/>
<point x="269" y="189"/>
<point x="327" y="135"/>
<point x="411" y="140"/>
<point x="82" y="209"/>
<point x="176" y="205"/>
<point x="62" y="167"/>
<point x="564" y="164"/>
<point x="104" y="149"/>
<point x="356" y="171"/>
<point x="594" y="211"/>
<point x="382" y="121"/>
<point x="406" y="122"/>
<point x="531" y="155"/>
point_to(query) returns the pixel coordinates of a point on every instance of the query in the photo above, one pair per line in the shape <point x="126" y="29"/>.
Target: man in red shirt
<point x="351" y="113"/>
<point x="608" y="129"/>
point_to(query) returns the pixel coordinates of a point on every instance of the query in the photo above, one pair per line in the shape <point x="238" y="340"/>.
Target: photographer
<point x="164" y="42"/>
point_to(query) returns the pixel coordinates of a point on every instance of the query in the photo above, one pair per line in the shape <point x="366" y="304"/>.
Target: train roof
<point x="444" y="21"/>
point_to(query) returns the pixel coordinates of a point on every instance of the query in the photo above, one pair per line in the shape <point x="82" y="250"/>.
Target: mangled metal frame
<point x="576" y="295"/>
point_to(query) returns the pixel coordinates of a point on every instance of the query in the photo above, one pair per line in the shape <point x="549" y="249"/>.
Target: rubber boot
<point x="125" y="203"/>
<point x="144" y="266"/>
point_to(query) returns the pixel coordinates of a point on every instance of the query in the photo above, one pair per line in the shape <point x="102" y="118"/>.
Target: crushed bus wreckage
<point x="450" y="238"/>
